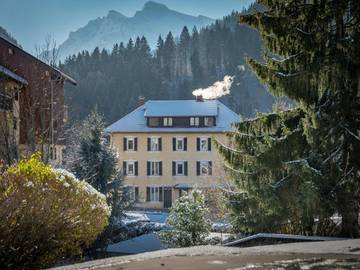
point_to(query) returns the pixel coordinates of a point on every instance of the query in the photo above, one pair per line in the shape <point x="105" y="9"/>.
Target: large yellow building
<point x="166" y="147"/>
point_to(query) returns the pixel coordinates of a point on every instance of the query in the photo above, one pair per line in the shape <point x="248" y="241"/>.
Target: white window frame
<point x="206" y="139"/>
<point x="206" y="121"/>
<point x="182" y="139"/>
<point x="131" y="190"/>
<point x="182" y="163"/>
<point x="204" y="164"/>
<point x="157" y="144"/>
<point x="194" y="121"/>
<point x="154" y="194"/>
<point x="128" y="139"/>
<point x="154" y="169"/>
<point x="167" y="121"/>
<point x="128" y="163"/>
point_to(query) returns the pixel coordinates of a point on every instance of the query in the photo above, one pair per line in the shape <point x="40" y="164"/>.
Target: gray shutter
<point x="173" y="168"/>
<point x="148" y="194"/>
<point x="136" y="144"/>
<point x="186" y="168"/>
<point x="198" y="168"/>
<point x="210" y="167"/>
<point x="209" y="144"/>
<point x="160" y="168"/>
<point x="148" y="168"/>
<point x="148" y="144"/>
<point x="125" y="144"/>
<point x="136" y="168"/>
<point x="124" y="168"/>
<point x="185" y="144"/>
<point x="198" y="144"/>
<point x="160" y="194"/>
<point x="160" y="144"/>
<point x="174" y="144"/>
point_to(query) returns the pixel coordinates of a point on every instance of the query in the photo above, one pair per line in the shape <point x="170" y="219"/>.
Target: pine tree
<point x="302" y="164"/>
<point x="189" y="221"/>
<point x="96" y="163"/>
<point x="169" y="56"/>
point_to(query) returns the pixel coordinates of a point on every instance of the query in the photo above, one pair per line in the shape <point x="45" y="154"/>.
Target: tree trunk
<point x="350" y="220"/>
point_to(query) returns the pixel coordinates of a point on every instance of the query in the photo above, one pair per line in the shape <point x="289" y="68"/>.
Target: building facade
<point x="10" y="86"/>
<point x="40" y="103"/>
<point x="167" y="147"/>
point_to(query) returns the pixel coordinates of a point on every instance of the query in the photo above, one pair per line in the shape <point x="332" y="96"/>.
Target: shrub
<point x="189" y="222"/>
<point x="46" y="215"/>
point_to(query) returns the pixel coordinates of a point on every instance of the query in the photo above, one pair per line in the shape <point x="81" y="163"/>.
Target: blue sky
<point x="30" y="21"/>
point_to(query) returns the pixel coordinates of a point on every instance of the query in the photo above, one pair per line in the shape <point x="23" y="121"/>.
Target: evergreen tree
<point x="302" y="164"/>
<point x="189" y="222"/>
<point x="169" y="56"/>
<point x="96" y="163"/>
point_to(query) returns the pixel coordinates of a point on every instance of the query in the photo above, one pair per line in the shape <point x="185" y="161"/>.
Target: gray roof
<point x="59" y="72"/>
<point x="141" y="244"/>
<point x="136" y="120"/>
<point x="178" y="108"/>
<point x="12" y="75"/>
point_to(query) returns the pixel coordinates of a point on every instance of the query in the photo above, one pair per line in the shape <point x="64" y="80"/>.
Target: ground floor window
<point x="133" y="193"/>
<point x="154" y="194"/>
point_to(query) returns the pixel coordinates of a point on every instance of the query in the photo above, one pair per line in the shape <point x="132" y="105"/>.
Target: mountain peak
<point x="115" y="15"/>
<point x="151" y="5"/>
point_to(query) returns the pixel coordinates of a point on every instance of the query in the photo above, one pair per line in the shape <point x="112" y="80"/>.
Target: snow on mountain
<point x="152" y="20"/>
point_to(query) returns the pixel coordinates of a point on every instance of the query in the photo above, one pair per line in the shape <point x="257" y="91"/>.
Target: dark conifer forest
<point x="113" y="81"/>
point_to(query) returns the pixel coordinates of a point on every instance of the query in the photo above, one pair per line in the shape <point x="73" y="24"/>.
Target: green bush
<point x="46" y="215"/>
<point x="188" y="220"/>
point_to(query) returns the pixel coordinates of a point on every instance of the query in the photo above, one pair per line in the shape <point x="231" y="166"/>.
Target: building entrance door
<point x="167" y="197"/>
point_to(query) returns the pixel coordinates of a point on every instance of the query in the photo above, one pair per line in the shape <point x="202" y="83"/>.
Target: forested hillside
<point x="114" y="80"/>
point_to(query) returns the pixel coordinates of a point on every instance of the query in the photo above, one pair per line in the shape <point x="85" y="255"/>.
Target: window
<point x="203" y="144"/>
<point x="154" y="144"/>
<point x="194" y="121"/>
<point x="168" y="122"/>
<point x="154" y="168"/>
<point x="204" y="168"/>
<point x="154" y="194"/>
<point x="6" y="103"/>
<point x="179" y="168"/>
<point x="179" y="144"/>
<point x="133" y="193"/>
<point x="130" y="168"/>
<point x="130" y="144"/>
<point x="52" y="152"/>
<point x="154" y="121"/>
<point x="209" y="121"/>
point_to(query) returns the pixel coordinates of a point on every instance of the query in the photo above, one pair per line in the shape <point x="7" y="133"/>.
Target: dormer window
<point x="194" y="121"/>
<point x="167" y="121"/>
<point x="209" y="121"/>
<point x="154" y="121"/>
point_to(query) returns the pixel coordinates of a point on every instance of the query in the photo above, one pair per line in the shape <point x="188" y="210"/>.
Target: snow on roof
<point x="281" y="237"/>
<point x="136" y="120"/>
<point x="178" y="108"/>
<point x="143" y="243"/>
<point x="183" y="186"/>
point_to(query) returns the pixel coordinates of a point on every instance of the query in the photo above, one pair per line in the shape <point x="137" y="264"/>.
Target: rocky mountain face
<point x="152" y="20"/>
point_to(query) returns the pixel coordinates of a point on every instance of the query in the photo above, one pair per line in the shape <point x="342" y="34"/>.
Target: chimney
<point x="199" y="98"/>
<point x="141" y="100"/>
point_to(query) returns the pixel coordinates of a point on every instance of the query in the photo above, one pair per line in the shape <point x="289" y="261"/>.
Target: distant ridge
<point x="152" y="20"/>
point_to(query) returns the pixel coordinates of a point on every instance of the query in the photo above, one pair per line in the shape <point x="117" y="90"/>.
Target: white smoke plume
<point x="218" y="89"/>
